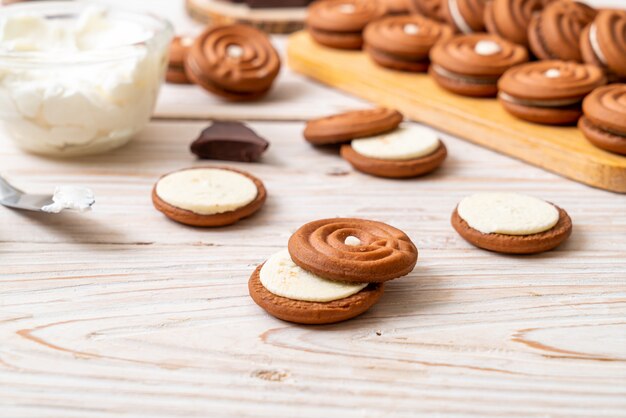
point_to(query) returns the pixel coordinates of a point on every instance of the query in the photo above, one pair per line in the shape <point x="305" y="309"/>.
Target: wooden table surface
<point x="122" y="313"/>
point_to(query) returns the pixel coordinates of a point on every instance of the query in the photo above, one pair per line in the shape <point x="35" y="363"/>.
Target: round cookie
<point x="465" y="16"/>
<point x="554" y="33"/>
<point x="509" y="19"/>
<point x="176" y="66"/>
<point x="208" y="196"/>
<point x="604" y="120"/>
<point x="340" y="23"/>
<point x="510" y="223"/>
<point x="236" y="62"/>
<point x="548" y="92"/>
<point x="470" y="65"/>
<point x="403" y="42"/>
<point x="602" y="45"/>
<point x="303" y="312"/>
<point x="337" y="129"/>
<point x="428" y="8"/>
<point x="382" y="253"/>
<point x="409" y="151"/>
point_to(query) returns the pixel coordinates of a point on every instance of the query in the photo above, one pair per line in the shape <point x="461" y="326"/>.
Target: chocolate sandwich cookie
<point x="465" y="16"/>
<point x="353" y="250"/>
<point x="470" y="65"/>
<point x="548" y="92"/>
<point x="603" y="42"/>
<point x="403" y="42"/>
<point x="178" y="53"/>
<point x="340" y="23"/>
<point x="604" y="120"/>
<point x="511" y="223"/>
<point x="208" y="196"/>
<point x="428" y="8"/>
<point x="509" y="19"/>
<point x="554" y="33"/>
<point x="231" y="141"/>
<point x="337" y="129"/>
<point x="292" y="294"/>
<point x="236" y="62"/>
<point x="409" y="151"/>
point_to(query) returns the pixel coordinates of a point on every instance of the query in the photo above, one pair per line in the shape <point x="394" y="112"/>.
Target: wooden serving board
<point x="277" y="20"/>
<point x="562" y="150"/>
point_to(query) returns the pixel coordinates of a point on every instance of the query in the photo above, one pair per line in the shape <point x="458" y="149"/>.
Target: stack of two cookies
<point x="333" y="270"/>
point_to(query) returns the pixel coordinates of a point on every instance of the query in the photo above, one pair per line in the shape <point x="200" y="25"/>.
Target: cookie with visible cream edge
<point x="602" y="45"/>
<point x="465" y="16"/>
<point x="340" y="23"/>
<point x="604" y="120"/>
<point x="511" y="223"/>
<point x="333" y="270"/>
<point x="548" y="92"/>
<point x="342" y="127"/>
<point x="409" y="151"/>
<point x="403" y="42"/>
<point x="470" y="65"/>
<point x="208" y="196"/>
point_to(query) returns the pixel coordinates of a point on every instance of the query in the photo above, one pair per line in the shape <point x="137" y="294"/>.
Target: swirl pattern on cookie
<point x="343" y="15"/>
<point x="409" y="36"/>
<point x="606" y="107"/>
<point x="235" y="58"/>
<point x="606" y="37"/>
<point x="551" y="80"/>
<point x="385" y="252"/>
<point x="461" y="55"/>
<point x="428" y="8"/>
<point x="510" y="18"/>
<point x="555" y="32"/>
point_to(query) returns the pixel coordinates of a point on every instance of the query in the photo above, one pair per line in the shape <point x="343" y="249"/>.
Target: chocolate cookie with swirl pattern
<point x="604" y="120"/>
<point x="340" y="23"/>
<point x="509" y="19"/>
<point x="603" y="43"/>
<point x="379" y="252"/>
<point x="236" y="62"/>
<point x="403" y="42"/>
<point x="470" y="65"/>
<point x="554" y="34"/>
<point x="548" y="92"/>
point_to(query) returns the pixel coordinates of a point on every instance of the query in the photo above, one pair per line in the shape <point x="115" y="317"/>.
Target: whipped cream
<point x="76" y="85"/>
<point x="70" y="197"/>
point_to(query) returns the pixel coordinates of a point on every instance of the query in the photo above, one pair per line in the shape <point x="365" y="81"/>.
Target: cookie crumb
<point x="271" y="375"/>
<point x="379" y="333"/>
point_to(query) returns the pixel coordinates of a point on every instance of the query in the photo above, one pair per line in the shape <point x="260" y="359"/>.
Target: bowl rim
<point x="160" y="36"/>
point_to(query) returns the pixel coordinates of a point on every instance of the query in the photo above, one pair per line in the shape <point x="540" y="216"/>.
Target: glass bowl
<point x="78" y="78"/>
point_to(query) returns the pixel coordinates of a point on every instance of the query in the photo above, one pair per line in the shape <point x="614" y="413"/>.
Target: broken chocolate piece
<point x="231" y="141"/>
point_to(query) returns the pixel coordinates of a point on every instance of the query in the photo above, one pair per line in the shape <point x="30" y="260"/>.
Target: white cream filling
<point x="595" y="45"/>
<point x="407" y="142"/>
<point x="538" y="103"/>
<point x="352" y="241"/>
<point x="457" y="17"/>
<point x="411" y="29"/>
<point x="70" y="197"/>
<point x="507" y="213"/>
<point x="552" y="73"/>
<point x="207" y="191"/>
<point x="282" y="277"/>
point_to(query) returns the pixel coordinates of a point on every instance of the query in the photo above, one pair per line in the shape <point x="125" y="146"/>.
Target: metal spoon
<point x="15" y="198"/>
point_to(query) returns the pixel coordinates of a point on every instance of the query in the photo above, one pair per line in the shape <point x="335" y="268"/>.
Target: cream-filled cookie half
<point x="408" y="142"/>
<point x="282" y="277"/>
<point x="508" y="213"/>
<point x="206" y="191"/>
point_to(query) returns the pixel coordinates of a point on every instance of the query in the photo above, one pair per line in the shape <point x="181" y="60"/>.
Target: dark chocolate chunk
<point x="231" y="141"/>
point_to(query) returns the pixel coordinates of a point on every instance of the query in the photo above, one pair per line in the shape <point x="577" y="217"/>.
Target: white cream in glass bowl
<point x="78" y="78"/>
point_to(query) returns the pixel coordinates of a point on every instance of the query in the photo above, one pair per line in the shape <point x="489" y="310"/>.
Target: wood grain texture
<point x="122" y="313"/>
<point x="272" y="20"/>
<point x="483" y="121"/>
